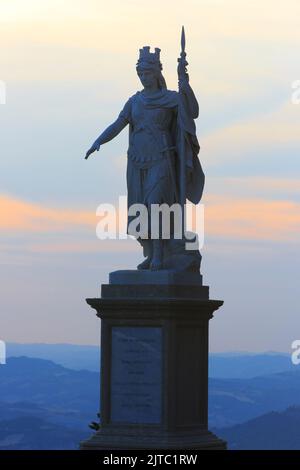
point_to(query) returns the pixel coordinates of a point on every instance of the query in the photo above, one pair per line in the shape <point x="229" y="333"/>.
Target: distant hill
<point x="54" y="399"/>
<point x="43" y="389"/>
<point x="71" y="356"/>
<point x="221" y="365"/>
<point x="246" y="366"/>
<point x="31" y="433"/>
<point x="272" y="431"/>
<point x="233" y="401"/>
<point x="71" y="397"/>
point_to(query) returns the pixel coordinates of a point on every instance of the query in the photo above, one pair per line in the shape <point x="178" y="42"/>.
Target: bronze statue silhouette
<point x="163" y="165"/>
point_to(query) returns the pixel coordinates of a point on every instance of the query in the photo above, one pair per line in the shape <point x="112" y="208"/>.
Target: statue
<point x="163" y="165"/>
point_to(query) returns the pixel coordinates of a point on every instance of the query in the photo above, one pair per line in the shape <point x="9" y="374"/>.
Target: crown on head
<point x="148" y="58"/>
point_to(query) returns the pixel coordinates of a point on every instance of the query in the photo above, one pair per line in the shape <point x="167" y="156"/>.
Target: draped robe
<point x="157" y="123"/>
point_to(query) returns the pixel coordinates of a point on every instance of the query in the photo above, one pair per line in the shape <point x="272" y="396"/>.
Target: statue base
<point x="154" y="362"/>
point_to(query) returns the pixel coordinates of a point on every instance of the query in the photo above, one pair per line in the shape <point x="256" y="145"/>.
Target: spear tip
<point x="182" y="39"/>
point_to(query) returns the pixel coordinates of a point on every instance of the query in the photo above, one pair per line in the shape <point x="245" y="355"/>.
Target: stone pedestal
<point x="154" y="362"/>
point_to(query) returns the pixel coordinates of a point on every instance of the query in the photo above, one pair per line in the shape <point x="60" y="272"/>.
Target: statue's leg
<point x="159" y="191"/>
<point x="156" y="241"/>
<point x="135" y="180"/>
<point x="157" y="257"/>
<point x="147" y="250"/>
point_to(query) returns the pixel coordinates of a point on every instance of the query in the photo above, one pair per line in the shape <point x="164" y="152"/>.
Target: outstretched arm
<point x="110" y="133"/>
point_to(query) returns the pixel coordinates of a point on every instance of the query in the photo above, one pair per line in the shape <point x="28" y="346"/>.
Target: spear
<point x="182" y="75"/>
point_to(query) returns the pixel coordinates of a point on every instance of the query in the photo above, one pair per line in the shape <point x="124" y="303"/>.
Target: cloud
<point x="251" y="17"/>
<point x="225" y="216"/>
<point x="252" y="219"/>
<point x="18" y="215"/>
<point x="268" y="188"/>
<point x="89" y="246"/>
<point x="46" y="229"/>
<point x="256" y="135"/>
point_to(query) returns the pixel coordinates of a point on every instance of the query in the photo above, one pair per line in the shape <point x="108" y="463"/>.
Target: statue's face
<point x="147" y="77"/>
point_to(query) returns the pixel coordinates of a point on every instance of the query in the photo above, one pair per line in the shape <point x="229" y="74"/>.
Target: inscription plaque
<point x="136" y="375"/>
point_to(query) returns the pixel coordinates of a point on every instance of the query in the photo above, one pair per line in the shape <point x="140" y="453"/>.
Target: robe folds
<point x="157" y="123"/>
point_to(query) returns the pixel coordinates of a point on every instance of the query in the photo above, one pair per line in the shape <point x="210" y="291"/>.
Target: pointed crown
<point x="149" y="59"/>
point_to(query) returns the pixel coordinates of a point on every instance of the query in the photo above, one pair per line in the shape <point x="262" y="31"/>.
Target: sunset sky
<point x="69" y="67"/>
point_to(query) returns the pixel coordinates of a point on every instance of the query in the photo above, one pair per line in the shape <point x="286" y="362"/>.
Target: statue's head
<point x="149" y="68"/>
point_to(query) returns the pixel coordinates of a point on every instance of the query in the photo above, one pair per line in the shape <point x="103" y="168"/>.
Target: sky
<point x="68" y="68"/>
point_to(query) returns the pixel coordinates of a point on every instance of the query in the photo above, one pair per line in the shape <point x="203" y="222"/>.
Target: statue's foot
<point x="145" y="264"/>
<point x="156" y="264"/>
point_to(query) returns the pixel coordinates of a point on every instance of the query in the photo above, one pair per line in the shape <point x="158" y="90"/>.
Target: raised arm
<point x="191" y="99"/>
<point x="186" y="90"/>
<point x="110" y="133"/>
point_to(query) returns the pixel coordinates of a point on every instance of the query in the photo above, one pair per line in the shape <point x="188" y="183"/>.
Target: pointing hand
<point x="94" y="147"/>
